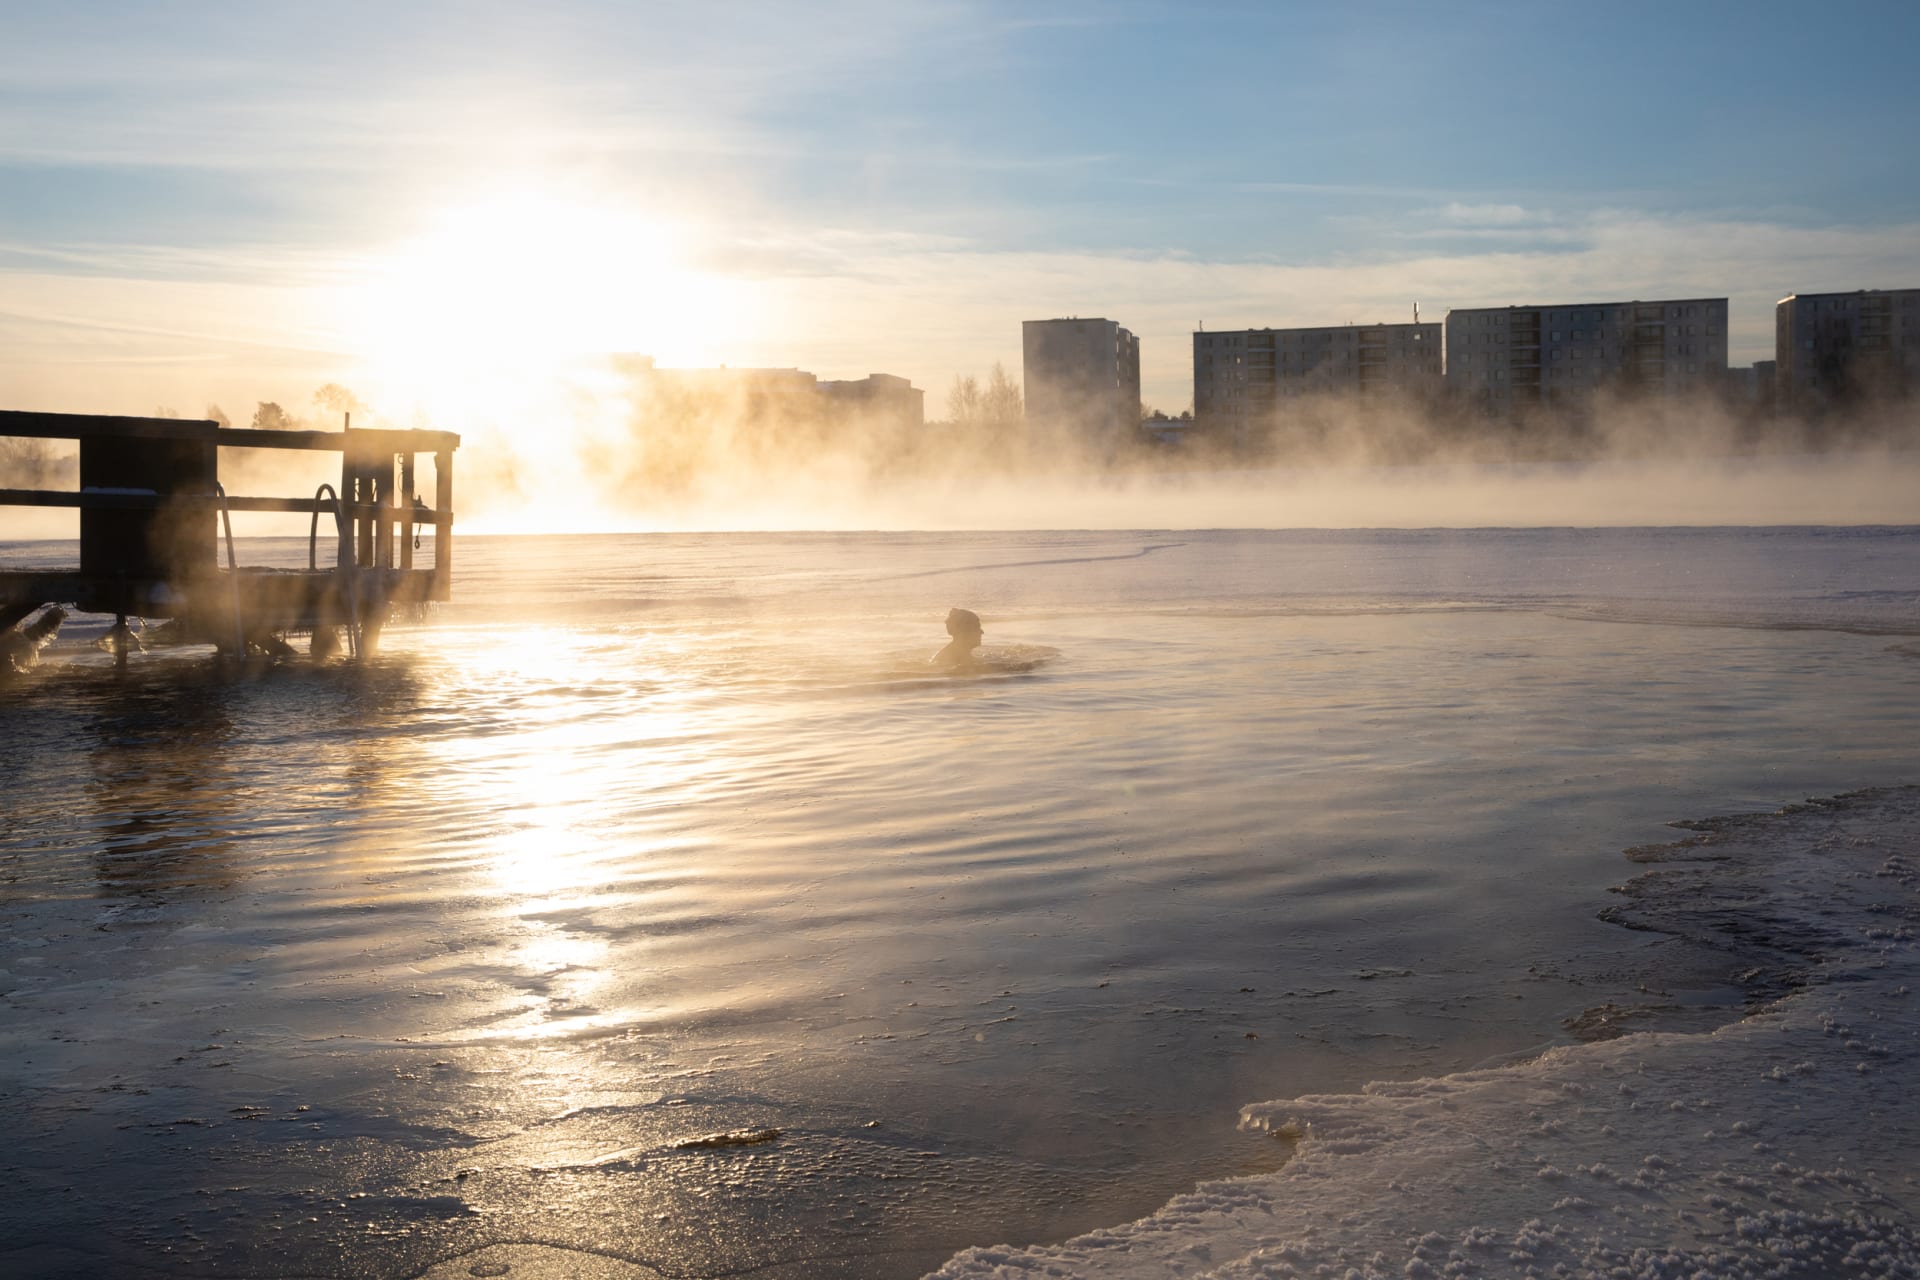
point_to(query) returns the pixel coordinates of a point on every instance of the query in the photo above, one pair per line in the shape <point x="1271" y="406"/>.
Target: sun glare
<point x="488" y="308"/>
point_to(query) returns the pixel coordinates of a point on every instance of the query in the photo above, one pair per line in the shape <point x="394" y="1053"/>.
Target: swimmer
<point x="964" y="626"/>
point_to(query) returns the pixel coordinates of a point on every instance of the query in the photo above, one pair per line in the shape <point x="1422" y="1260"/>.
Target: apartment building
<point x="1751" y="389"/>
<point x="1510" y="360"/>
<point x="1831" y="349"/>
<point x="881" y="400"/>
<point x="1245" y="380"/>
<point x="1082" y="382"/>
<point x="776" y="399"/>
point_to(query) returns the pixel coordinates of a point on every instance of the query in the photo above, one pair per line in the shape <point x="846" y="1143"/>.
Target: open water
<point x="655" y="900"/>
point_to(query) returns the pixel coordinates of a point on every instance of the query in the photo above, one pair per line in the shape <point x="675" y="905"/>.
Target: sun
<point x="496" y="297"/>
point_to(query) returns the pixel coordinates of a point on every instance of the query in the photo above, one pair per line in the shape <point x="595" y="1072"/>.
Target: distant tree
<point x="28" y="464"/>
<point x="337" y="399"/>
<point x="218" y="416"/>
<point x="964" y="401"/>
<point x="271" y="417"/>
<point x="1001" y="405"/>
<point x="165" y="411"/>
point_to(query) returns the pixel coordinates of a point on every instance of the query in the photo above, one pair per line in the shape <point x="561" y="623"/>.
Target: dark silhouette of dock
<point x="152" y="512"/>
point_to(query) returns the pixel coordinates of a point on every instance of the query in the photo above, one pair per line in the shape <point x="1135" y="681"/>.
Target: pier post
<point x="406" y="510"/>
<point x="383" y="511"/>
<point x="442" y="525"/>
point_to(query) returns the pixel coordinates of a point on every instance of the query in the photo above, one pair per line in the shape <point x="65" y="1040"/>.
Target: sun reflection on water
<point x="584" y="747"/>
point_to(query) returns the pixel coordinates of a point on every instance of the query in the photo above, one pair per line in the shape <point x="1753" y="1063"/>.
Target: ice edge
<point x="1772" y="1146"/>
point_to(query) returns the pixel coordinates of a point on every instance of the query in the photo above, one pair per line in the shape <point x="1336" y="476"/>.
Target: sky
<point x="440" y="204"/>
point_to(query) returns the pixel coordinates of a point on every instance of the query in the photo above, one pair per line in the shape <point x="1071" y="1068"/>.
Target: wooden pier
<point x="152" y="511"/>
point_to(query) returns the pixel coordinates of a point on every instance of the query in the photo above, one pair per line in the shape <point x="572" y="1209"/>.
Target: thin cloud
<point x="1488" y="215"/>
<point x="368" y="88"/>
<point x="960" y="308"/>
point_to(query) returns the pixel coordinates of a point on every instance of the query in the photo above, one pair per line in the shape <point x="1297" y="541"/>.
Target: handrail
<point x="313" y="526"/>
<point x="149" y="500"/>
<point x="233" y="574"/>
<point x="345" y="566"/>
<point x="82" y="426"/>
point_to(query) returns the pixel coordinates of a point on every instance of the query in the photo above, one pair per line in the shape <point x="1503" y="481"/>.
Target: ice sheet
<point x="1779" y="1145"/>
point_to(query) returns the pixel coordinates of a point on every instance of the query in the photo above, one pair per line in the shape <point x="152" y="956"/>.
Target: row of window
<point x="1266" y="342"/>
<point x="1500" y="374"/>
<point x="1589" y="315"/>
<point x="1909" y="300"/>
<point x="1593" y="330"/>
<point x="1588" y="335"/>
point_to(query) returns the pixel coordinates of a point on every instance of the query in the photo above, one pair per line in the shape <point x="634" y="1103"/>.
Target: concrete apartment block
<point x="777" y="398"/>
<point x="1511" y="360"/>
<point x="1245" y="379"/>
<point x="1831" y="349"/>
<point x="1082" y="382"/>
<point x="881" y="400"/>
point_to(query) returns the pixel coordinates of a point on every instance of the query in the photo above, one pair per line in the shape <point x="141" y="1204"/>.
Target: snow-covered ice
<point x="1781" y="1144"/>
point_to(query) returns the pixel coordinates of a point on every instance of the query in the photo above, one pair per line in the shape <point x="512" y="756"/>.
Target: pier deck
<point x="152" y="510"/>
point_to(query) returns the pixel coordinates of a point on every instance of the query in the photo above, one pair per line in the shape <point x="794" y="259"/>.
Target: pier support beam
<point x="442" y="588"/>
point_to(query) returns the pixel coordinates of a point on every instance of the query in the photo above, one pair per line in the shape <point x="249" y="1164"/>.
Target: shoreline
<point x="1773" y="1144"/>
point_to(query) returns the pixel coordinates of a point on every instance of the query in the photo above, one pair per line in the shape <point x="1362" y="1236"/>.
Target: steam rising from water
<point x="1800" y="490"/>
<point x="635" y="459"/>
<point x="612" y="452"/>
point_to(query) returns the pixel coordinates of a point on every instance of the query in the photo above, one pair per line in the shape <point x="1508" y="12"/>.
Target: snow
<point x="1777" y="1145"/>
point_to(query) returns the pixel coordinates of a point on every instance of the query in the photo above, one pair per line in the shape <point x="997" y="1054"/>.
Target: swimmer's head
<point x="963" y="624"/>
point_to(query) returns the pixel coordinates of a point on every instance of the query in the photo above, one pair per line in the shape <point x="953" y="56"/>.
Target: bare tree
<point x="337" y="399"/>
<point x="1001" y="406"/>
<point x="964" y="401"/>
<point x="28" y="464"/>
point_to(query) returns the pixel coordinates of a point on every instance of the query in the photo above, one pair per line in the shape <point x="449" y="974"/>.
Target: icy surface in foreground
<point x="1780" y="1145"/>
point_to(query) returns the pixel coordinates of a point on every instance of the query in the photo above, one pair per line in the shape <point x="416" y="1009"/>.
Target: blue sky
<point x="197" y="195"/>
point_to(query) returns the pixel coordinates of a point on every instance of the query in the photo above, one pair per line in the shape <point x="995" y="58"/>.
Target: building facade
<point x="1510" y="361"/>
<point x="1833" y="349"/>
<point x="1245" y="380"/>
<point x="1750" y="390"/>
<point x="882" y="401"/>
<point x="1081" y="382"/>
<point x="790" y="402"/>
